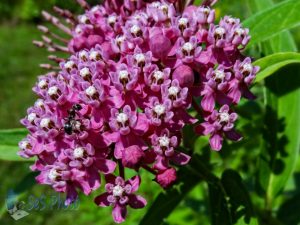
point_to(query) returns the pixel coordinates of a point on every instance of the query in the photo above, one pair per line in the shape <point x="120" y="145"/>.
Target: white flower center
<point x="53" y="174"/>
<point x="91" y="91"/>
<point x="173" y="90"/>
<point x="164" y="8"/>
<point x="45" y="123"/>
<point x="78" y="152"/>
<point x="159" y="109"/>
<point x="120" y="39"/>
<point x="112" y="19"/>
<point x="123" y="74"/>
<point x="122" y="118"/>
<point x="158" y="75"/>
<point x="83" y="55"/>
<point x="94" y="55"/>
<point x="24" y="144"/>
<point x="188" y="47"/>
<point x="156" y="4"/>
<point x="224" y="117"/>
<point x="239" y="31"/>
<point x="77" y="125"/>
<point x="78" y="30"/>
<point x="85" y="72"/>
<point x="31" y="117"/>
<point x="135" y="29"/>
<point x="164" y="141"/>
<point x="84" y="19"/>
<point x="183" y="21"/>
<point x="69" y="65"/>
<point x="95" y="9"/>
<point x="205" y="10"/>
<point x="247" y="68"/>
<point x="53" y="91"/>
<point x="219" y="74"/>
<point x="220" y="31"/>
<point x="43" y="84"/>
<point x="140" y="58"/>
<point x="231" y="20"/>
<point x="118" y="191"/>
<point x="39" y="103"/>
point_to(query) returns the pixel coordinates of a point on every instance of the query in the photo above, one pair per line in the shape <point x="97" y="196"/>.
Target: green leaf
<point x="288" y="212"/>
<point x="253" y="221"/>
<point x="282" y="96"/>
<point x="282" y="130"/>
<point x="168" y="200"/>
<point x="272" y="21"/>
<point x="240" y="201"/>
<point x="272" y="63"/>
<point x="220" y="211"/>
<point x="9" y="140"/>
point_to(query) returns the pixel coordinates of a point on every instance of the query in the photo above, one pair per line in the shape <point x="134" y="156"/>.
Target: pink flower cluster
<point x="122" y="98"/>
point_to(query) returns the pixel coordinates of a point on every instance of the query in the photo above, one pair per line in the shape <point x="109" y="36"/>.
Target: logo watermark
<point x="19" y="209"/>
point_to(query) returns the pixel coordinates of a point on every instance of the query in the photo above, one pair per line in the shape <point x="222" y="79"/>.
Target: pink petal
<point x="119" y="213"/>
<point x="106" y="166"/>
<point x="180" y="158"/>
<point x="137" y="202"/>
<point x="216" y="142"/>
<point x="101" y="200"/>
<point x="135" y="183"/>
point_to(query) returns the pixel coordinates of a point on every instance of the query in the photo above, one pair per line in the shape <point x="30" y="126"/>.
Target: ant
<point x="71" y="122"/>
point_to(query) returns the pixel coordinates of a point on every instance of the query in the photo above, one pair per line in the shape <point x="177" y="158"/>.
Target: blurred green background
<point x="19" y="69"/>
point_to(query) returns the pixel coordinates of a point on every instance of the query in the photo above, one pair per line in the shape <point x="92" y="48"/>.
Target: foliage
<point x="252" y="182"/>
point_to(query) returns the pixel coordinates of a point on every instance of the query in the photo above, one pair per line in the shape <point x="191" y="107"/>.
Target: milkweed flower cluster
<point x="122" y="98"/>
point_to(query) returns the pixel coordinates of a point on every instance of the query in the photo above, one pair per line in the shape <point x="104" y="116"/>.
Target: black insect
<point x="70" y="120"/>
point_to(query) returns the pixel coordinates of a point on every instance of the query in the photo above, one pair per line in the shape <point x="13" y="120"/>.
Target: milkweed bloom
<point x="123" y="96"/>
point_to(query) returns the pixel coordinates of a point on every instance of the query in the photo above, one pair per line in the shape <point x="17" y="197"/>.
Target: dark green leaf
<point x="168" y="200"/>
<point x="288" y="212"/>
<point x="238" y="194"/>
<point x="220" y="211"/>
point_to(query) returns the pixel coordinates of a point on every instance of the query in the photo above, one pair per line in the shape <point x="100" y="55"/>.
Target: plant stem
<point x="121" y="170"/>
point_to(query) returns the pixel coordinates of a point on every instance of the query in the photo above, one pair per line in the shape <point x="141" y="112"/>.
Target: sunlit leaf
<point x="9" y="140"/>
<point x="270" y="22"/>
<point x="272" y="63"/>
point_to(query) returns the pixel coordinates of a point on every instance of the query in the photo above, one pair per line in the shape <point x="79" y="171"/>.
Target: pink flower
<point x="166" y="178"/>
<point x="119" y="194"/>
<point x="219" y="123"/>
<point x="125" y="93"/>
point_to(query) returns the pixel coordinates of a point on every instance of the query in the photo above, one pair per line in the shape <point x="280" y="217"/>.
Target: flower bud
<point x="185" y="75"/>
<point x="77" y="43"/>
<point x="92" y="40"/>
<point x="160" y="46"/>
<point x="166" y="178"/>
<point x="132" y="156"/>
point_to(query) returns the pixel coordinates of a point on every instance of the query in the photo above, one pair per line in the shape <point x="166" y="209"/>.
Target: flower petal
<point x="119" y="213"/>
<point x="101" y="200"/>
<point x="135" y="183"/>
<point x="137" y="202"/>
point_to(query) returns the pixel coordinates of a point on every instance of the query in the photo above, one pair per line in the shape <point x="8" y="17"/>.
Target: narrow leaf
<point x="272" y="21"/>
<point x="238" y="193"/>
<point x="9" y="140"/>
<point x="272" y="63"/>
